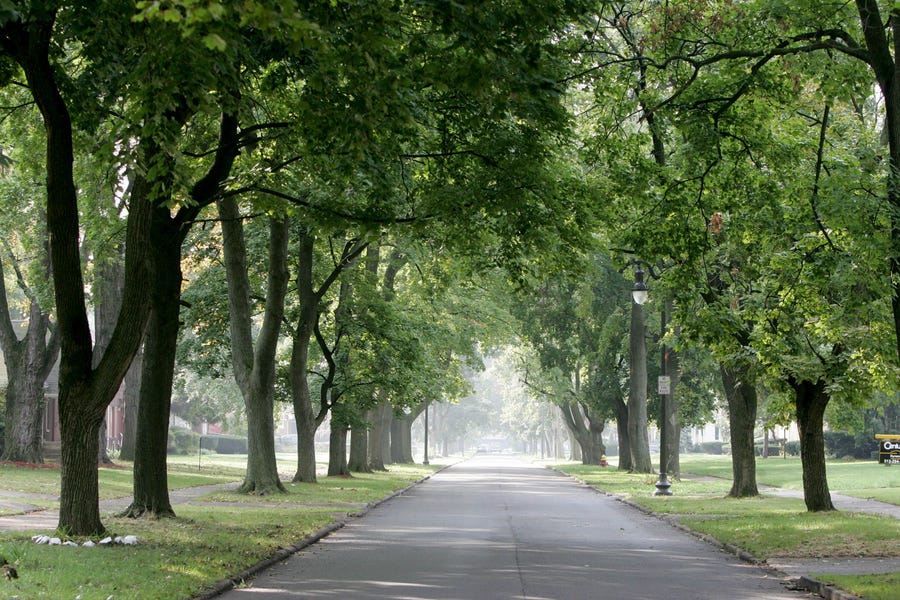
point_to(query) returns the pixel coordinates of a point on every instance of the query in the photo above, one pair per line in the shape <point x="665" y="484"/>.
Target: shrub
<point x="792" y="448"/>
<point x="711" y="447"/>
<point x="774" y="449"/>
<point x="841" y="444"/>
<point x="182" y="441"/>
<point x="225" y="444"/>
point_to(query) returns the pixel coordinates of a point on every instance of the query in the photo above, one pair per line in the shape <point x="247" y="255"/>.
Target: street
<point x="498" y="527"/>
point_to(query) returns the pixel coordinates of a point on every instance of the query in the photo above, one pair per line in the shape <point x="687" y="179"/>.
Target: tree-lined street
<point x="498" y="527"/>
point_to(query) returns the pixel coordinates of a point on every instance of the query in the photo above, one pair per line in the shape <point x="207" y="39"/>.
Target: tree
<point x="28" y="339"/>
<point x="84" y="391"/>
<point x="28" y="363"/>
<point x="254" y="368"/>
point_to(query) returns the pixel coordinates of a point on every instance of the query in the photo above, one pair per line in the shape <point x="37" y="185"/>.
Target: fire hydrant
<point x="602" y="460"/>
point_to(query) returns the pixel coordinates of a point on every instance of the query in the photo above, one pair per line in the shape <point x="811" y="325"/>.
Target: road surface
<point x="495" y="527"/>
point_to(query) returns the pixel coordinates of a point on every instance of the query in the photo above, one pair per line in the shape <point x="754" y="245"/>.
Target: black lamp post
<point x="663" y="487"/>
<point x="640" y="293"/>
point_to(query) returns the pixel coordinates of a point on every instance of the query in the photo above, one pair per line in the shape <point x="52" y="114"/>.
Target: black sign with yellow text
<point x="888" y="448"/>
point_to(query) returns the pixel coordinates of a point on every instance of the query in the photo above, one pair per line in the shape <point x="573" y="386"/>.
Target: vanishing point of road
<point x="495" y="527"/>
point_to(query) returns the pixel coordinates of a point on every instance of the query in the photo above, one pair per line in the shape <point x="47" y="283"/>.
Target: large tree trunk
<point x="403" y="438"/>
<point x="28" y="363"/>
<point x="637" y="395"/>
<point x="149" y="405"/>
<point x="151" y="485"/>
<point x="337" y="450"/>
<point x="254" y="369"/>
<point x="740" y="391"/>
<point x="812" y="399"/>
<point x="377" y="436"/>
<point x="881" y="58"/>
<point x="107" y="289"/>
<point x="299" y="370"/>
<point x="588" y="436"/>
<point x="396" y="439"/>
<point x="622" y="432"/>
<point x="131" y="398"/>
<point x="306" y="440"/>
<point x="359" y="446"/>
<point x="673" y="441"/>
<point x="387" y="417"/>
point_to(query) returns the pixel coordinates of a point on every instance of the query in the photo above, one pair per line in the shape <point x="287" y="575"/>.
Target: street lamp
<point x="663" y="486"/>
<point x="640" y="291"/>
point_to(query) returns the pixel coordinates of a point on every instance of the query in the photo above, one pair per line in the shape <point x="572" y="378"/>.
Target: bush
<point x="224" y="444"/>
<point x="840" y="444"/>
<point x="711" y="447"/>
<point x="182" y="441"/>
<point x="774" y="449"/>
<point x="792" y="448"/>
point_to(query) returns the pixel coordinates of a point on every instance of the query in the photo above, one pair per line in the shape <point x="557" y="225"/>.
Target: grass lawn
<point x="863" y="479"/>
<point x="179" y="558"/>
<point x="773" y="526"/>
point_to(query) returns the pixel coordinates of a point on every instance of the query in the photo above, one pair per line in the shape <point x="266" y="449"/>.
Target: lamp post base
<point x="662" y="486"/>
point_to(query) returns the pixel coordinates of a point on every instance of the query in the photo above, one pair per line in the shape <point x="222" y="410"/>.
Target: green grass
<point x="773" y="526"/>
<point x="855" y="478"/>
<point x="361" y="488"/>
<point x="765" y="526"/>
<point x="114" y="482"/>
<point x="870" y="587"/>
<point x="179" y="558"/>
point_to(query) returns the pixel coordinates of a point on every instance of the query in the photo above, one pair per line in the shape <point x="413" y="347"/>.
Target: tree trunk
<point x="622" y="432"/>
<point x="79" y="508"/>
<point x="359" y="445"/>
<point x="637" y="395"/>
<point x="405" y="438"/>
<point x="396" y="439"/>
<point x="24" y="404"/>
<point x="740" y="391"/>
<point x="107" y="289"/>
<point x="598" y="450"/>
<point x="131" y="397"/>
<point x="673" y="442"/>
<point x="337" y="450"/>
<point x="588" y="437"/>
<point x="28" y="363"/>
<point x="882" y="59"/>
<point x="254" y="368"/>
<point x="299" y="370"/>
<point x="149" y="405"/>
<point x="387" y="417"/>
<point x="151" y="484"/>
<point x="377" y="436"/>
<point x="812" y="399"/>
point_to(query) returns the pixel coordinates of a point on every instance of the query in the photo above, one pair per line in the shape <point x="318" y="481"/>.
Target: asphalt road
<point x="497" y="527"/>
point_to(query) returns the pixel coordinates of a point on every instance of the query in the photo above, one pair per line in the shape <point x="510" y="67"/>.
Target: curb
<point x="225" y="585"/>
<point x="825" y="590"/>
